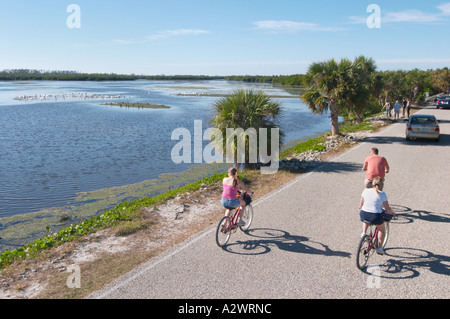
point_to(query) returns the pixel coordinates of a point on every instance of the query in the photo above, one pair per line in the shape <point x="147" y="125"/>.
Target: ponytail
<point x="232" y="171"/>
<point x="377" y="184"/>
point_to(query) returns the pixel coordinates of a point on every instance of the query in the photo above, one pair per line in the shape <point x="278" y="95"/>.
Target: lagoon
<point x="65" y="151"/>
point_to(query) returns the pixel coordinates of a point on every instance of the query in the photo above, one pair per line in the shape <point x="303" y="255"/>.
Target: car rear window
<point x="423" y="120"/>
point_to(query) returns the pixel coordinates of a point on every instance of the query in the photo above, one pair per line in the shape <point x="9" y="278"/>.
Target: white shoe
<point x="380" y="251"/>
<point x="240" y="223"/>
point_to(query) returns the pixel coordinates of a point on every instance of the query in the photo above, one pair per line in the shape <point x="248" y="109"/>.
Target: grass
<point x="312" y="144"/>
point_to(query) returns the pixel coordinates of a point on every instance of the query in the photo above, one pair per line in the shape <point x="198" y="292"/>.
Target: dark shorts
<point x="373" y="218"/>
<point x="231" y="203"/>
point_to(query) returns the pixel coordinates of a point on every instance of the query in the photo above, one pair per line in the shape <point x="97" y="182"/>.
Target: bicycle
<point x="369" y="242"/>
<point x="228" y="224"/>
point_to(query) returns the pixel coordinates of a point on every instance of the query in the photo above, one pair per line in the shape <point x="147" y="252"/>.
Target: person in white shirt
<point x="373" y="200"/>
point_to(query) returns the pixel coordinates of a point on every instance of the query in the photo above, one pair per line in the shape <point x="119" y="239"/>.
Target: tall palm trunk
<point x="334" y="113"/>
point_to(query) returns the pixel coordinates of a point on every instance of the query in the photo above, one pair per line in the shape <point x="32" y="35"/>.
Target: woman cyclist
<point x="373" y="200"/>
<point x="231" y="185"/>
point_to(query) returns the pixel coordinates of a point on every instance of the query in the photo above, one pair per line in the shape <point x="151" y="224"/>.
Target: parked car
<point x="443" y="101"/>
<point x="422" y="126"/>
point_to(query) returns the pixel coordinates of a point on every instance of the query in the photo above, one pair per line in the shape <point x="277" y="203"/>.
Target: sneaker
<point x="240" y="223"/>
<point x="380" y="251"/>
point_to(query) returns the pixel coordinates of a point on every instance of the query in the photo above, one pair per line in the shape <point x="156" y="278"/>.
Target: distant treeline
<point x="41" y="75"/>
<point x="292" y="80"/>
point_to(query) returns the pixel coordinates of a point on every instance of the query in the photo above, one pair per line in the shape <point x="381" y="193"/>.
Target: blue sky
<point x="218" y="37"/>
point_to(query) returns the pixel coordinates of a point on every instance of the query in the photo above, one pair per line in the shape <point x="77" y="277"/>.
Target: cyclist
<point x="375" y="165"/>
<point x="373" y="200"/>
<point x="231" y="185"/>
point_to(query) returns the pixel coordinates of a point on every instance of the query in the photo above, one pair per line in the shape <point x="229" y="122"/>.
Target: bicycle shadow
<point x="265" y="239"/>
<point x="407" y="215"/>
<point x="405" y="263"/>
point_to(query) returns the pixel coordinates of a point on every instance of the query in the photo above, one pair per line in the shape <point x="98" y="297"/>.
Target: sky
<point x="218" y="37"/>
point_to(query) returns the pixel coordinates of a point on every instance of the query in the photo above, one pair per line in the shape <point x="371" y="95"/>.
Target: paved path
<point x="303" y="240"/>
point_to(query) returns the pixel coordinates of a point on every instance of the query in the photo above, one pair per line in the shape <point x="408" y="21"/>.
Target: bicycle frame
<point x="373" y="239"/>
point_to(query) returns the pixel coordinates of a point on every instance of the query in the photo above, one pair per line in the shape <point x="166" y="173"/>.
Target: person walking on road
<point x="375" y="165"/>
<point x="387" y="106"/>
<point x="404" y="104"/>
<point x="373" y="200"/>
<point x="408" y="107"/>
<point x="397" y="107"/>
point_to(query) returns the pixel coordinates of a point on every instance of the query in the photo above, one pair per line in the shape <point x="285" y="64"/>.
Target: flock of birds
<point x="55" y="97"/>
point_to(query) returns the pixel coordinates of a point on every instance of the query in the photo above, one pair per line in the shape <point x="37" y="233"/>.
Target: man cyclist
<point x="375" y="165"/>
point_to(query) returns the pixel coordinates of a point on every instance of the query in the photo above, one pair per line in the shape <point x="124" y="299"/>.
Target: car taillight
<point x="438" y="102"/>
<point x="409" y="128"/>
<point x="437" y="128"/>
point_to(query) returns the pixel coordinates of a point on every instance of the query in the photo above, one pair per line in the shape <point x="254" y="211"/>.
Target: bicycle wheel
<point x="223" y="231"/>
<point x="247" y="217"/>
<point x="386" y="234"/>
<point x="363" y="252"/>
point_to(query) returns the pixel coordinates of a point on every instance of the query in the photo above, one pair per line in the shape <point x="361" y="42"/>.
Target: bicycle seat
<point x="230" y="208"/>
<point x="367" y="222"/>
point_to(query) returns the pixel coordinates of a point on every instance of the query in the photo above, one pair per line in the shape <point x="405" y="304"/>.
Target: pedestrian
<point x="397" y="107"/>
<point x="387" y="106"/>
<point x="408" y="107"/>
<point x="404" y="103"/>
<point x="375" y="165"/>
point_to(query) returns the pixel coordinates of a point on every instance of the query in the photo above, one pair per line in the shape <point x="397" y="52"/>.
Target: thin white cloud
<point x="174" y="33"/>
<point x="415" y="16"/>
<point x="290" y="26"/>
<point x="445" y="9"/>
<point x="409" y="16"/>
<point x="160" y="35"/>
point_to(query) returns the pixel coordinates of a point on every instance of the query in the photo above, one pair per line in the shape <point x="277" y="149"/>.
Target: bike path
<point x="303" y="238"/>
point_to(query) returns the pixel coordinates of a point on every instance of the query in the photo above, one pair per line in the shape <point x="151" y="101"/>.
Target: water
<point x="52" y="151"/>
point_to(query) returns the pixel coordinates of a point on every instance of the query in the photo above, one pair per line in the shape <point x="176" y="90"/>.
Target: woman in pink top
<point x="231" y="185"/>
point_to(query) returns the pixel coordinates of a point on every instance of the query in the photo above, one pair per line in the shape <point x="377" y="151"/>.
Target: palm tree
<point x="364" y="85"/>
<point x="246" y="110"/>
<point x="326" y="84"/>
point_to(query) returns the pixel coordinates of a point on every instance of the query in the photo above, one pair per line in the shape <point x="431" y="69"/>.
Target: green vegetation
<point x="245" y="109"/>
<point x="138" y="105"/>
<point x="290" y="80"/>
<point x="42" y="75"/>
<point x="313" y="144"/>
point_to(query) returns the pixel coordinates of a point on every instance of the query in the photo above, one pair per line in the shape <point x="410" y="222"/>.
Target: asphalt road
<point x="304" y="236"/>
